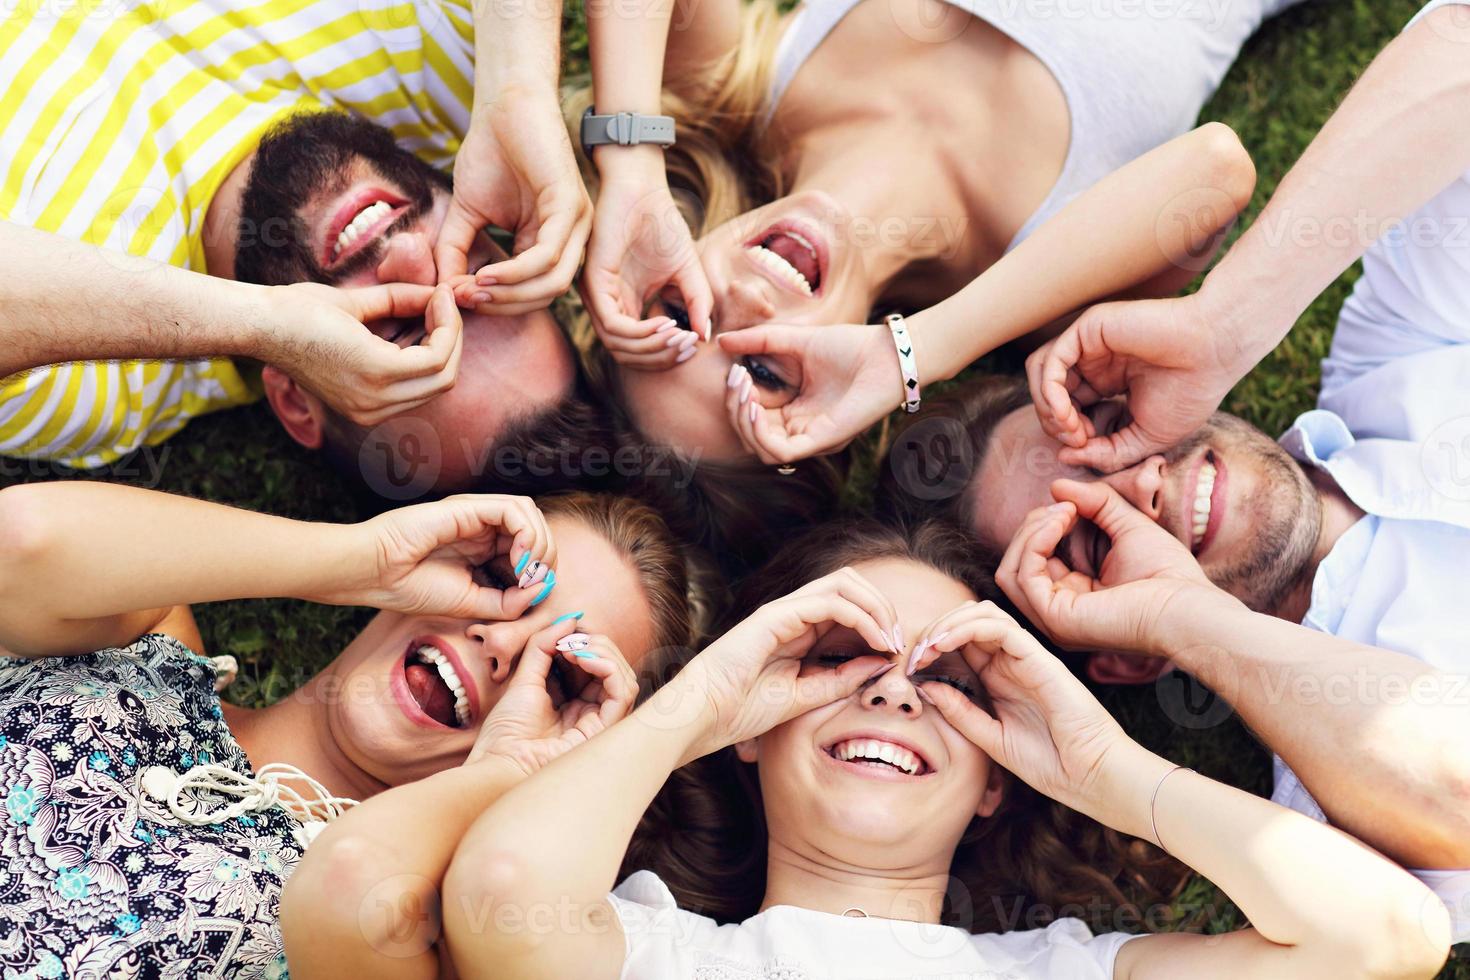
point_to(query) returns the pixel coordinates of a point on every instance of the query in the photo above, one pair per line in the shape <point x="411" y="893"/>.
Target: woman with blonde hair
<point x="861" y="157"/>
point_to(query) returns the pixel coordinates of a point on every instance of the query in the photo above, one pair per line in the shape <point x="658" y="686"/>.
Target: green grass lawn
<point x="1286" y="84"/>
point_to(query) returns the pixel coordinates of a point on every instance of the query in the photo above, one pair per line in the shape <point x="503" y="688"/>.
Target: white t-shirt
<point x="786" y="943"/>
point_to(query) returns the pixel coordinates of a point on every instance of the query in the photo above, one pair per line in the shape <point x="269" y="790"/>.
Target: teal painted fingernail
<point x="550" y="583"/>
<point x="521" y="565"/>
<point x="564" y="617"/>
<point x="585" y="655"/>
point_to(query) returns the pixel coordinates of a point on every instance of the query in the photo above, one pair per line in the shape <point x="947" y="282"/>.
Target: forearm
<point x="1150" y="216"/>
<point x="1378" y="738"/>
<point x="365" y="899"/>
<point x="560" y="837"/>
<point x="62" y="300"/>
<point x="517" y="48"/>
<point x="80" y="554"/>
<point x="1397" y="140"/>
<point x="1301" y="884"/>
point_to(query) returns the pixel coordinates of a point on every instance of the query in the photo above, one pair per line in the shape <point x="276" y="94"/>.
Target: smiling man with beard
<point x="332" y="199"/>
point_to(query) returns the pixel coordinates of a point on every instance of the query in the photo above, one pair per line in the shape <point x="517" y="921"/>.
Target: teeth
<point x="364" y="220"/>
<point x="869" y="750"/>
<point x="1202" y="501"/>
<point x="431" y="655"/>
<point x="781" y="267"/>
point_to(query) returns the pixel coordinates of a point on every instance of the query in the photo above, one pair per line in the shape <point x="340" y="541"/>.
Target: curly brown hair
<point x="1031" y="862"/>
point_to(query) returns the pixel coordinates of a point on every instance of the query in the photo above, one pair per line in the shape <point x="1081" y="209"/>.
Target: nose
<point x="893" y="691"/>
<point x="501" y="644"/>
<point x="408" y="258"/>
<point x="743" y="304"/>
<point x="1142" y="486"/>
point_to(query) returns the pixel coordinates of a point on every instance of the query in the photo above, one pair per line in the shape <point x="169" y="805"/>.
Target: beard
<point x="1288" y="524"/>
<point x="311" y="158"/>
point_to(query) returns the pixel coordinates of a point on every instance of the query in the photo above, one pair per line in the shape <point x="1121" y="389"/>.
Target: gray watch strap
<point x="625" y="129"/>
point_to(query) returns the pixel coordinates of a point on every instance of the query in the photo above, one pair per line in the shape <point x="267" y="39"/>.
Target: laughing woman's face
<point x="789" y="262"/>
<point x="407" y="698"/>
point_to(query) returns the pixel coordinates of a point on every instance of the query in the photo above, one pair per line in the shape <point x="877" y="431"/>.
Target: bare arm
<point x="1145" y="220"/>
<point x="1379" y="739"/>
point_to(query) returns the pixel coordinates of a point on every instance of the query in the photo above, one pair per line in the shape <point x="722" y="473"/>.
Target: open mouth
<point x="877" y="754"/>
<point x="435" y="685"/>
<point x="1208" y="506"/>
<point x="791" y="258"/>
<point x="357" y="224"/>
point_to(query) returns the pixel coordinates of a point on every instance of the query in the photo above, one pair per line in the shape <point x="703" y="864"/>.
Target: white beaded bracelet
<point x="906" y="362"/>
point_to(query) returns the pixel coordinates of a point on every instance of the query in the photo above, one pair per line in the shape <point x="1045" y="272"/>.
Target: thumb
<point x="1115" y="451"/>
<point x="1105" y="507"/>
<point x="392" y="300"/>
<point x="827" y="686"/>
<point x="456" y="235"/>
<point x="767" y="339"/>
<point x="967" y="718"/>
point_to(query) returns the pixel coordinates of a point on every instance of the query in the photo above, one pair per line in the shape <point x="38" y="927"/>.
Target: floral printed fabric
<point x="99" y="880"/>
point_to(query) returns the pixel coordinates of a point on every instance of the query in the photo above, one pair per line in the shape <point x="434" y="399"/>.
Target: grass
<point x="1287" y="82"/>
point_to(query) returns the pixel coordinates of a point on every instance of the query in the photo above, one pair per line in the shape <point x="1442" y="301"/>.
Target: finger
<point x="967" y="718"/>
<point x="540" y="650"/>
<point x="456" y="237"/>
<point x="613" y="685"/>
<point x="769" y="339"/>
<point x="388" y="301"/>
<point x="699" y="299"/>
<point x="824" y="687"/>
<point x="542" y="288"/>
<point x="1113" y="452"/>
<point x="551" y="245"/>
<point x="1102" y="505"/>
<point x="739" y="402"/>
<point x="1053" y="399"/>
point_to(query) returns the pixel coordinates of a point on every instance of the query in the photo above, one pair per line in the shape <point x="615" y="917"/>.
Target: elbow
<point x="488" y="886"/>
<point x="26" y="522"/>
<point x="1230" y="168"/>
<point x="346" y="896"/>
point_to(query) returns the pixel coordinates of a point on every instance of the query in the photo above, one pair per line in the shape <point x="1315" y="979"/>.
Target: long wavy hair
<point x="1034" y="860"/>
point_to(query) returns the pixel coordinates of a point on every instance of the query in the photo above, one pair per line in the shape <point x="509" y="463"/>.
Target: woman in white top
<point x="857" y="156"/>
<point x="881" y="766"/>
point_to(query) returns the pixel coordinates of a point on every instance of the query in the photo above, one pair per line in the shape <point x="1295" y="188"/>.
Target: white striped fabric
<point x="119" y="120"/>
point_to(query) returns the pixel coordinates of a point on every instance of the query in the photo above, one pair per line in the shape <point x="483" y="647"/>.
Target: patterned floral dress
<point x="97" y="878"/>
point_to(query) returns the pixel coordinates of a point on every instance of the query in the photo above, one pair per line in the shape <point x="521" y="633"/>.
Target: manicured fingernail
<point x="665" y="328"/>
<point x="675" y="339"/>
<point x="573" y="642"/>
<point x="480" y="297"/>
<point x="897" y="638"/>
<point x="746" y="386"/>
<point x="546" y="590"/>
<point x="752" y="411"/>
<point x="733" y="378"/>
<point x="916" y="656"/>
<point x="934" y="641"/>
<point x="1059" y="508"/>
<point x="690" y="339"/>
<point x="924" y="696"/>
<point x="586" y="655"/>
<point x="685" y="354"/>
<point x="529" y="575"/>
<point x="521" y="565"/>
<point x="880" y="672"/>
<point x="485" y="280"/>
<point x="566" y="616"/>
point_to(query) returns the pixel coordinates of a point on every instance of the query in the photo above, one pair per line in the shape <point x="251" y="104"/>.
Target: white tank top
<point x="1135" y="73"/>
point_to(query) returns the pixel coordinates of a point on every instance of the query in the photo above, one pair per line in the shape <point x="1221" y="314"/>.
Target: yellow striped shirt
<point x="119" y="120"/>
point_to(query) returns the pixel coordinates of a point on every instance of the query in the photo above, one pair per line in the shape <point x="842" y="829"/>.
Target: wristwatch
<point x="625" y="129"/>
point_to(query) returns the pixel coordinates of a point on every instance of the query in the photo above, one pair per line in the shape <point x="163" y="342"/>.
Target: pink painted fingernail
<point x="916" y="656"/>
<point x="752" y="411"/>
<point x="674" y="339"/>
<point x="880" y="672"/>
<point x="480" y="297"/>
<point x="733" y="378"/>
<point x="685" y="354"/>
<point x="923" y="696"/>
<point x="689" y="340"/>
<point x="898" y="638"/>
<point x="746" y="385"/>
<point x="665" y="328"/>
<point x="934" y="641"/>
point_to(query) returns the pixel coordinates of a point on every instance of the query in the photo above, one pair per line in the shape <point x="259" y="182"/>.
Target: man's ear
<point x="1125" y="668"/>
<point x="748" y="750"/>
<point x="300" y="412"/>
<point x="995" y="792"/>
